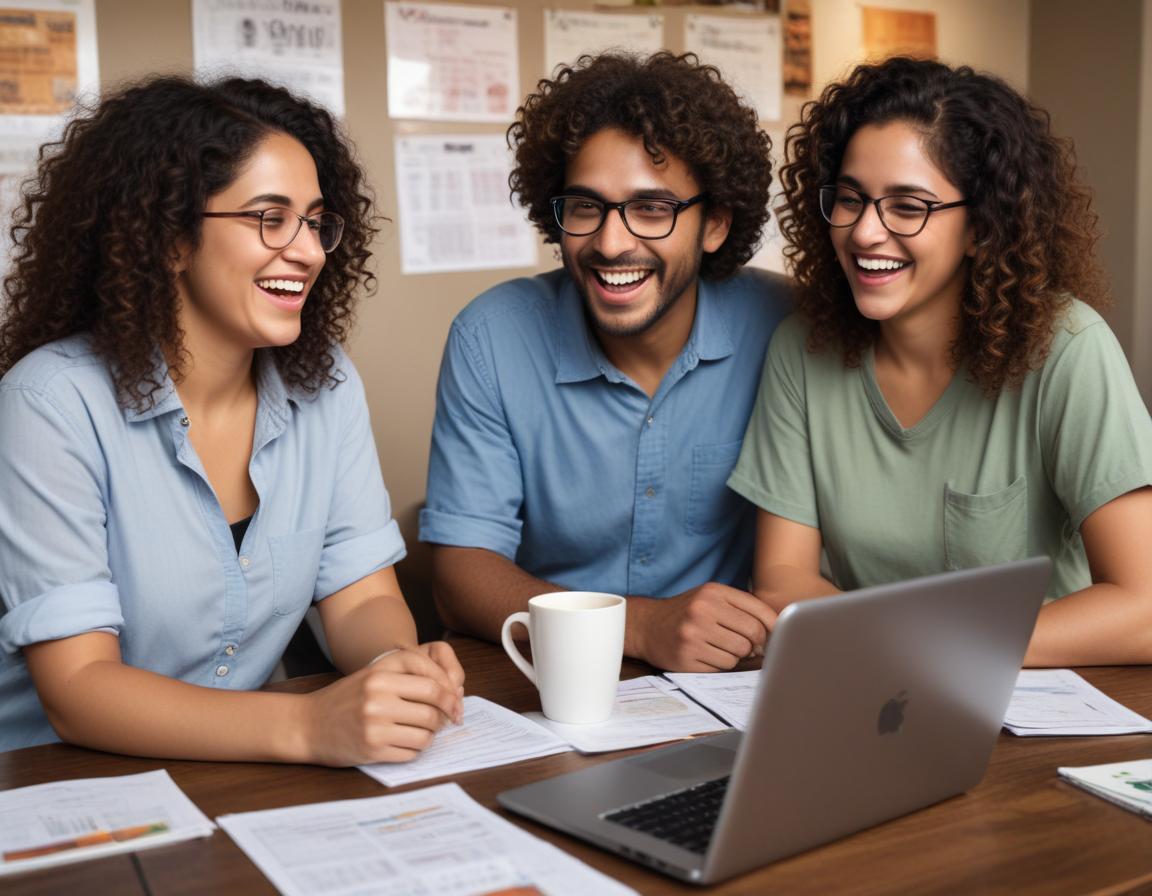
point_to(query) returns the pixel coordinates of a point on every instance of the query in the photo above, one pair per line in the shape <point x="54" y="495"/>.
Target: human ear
<point x="716" y="227"/>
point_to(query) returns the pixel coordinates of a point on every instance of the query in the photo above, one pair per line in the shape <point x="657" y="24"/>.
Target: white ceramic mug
<point x="577" y="640"/>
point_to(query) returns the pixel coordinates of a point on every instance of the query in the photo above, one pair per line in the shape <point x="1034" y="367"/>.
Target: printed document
<point x="434" y="840"/>
<point x="648" y="711"/>
<point x="70" y="821"/>
<point x="728" y="694"/>
<point x="1127" y="784"/>
<point x="490" y="735"/>
<point x="1048" y="702"/>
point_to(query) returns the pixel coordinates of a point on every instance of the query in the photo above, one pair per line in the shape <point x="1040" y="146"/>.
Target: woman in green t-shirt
<point x="946" y="395"/>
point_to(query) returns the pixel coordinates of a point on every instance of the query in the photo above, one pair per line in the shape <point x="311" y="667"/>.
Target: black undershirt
<point x="238" y="529"/>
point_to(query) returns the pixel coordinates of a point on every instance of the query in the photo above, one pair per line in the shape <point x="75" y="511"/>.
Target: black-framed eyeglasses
<point x="901" y="215"/>
<point x="279" y="226"/>
<point x="648" y="219"/>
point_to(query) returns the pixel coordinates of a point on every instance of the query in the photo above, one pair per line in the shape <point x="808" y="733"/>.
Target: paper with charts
<point x="728" y="694"/>
<point x="70" y="821"/>
<point x="436" y="840"/>
<point x="490" y="735"/>
<point x="1049" y="702"/>
<point x="648" y="711"/>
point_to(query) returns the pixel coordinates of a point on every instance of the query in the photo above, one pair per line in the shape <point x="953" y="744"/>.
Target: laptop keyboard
<point x="685" y="817"/>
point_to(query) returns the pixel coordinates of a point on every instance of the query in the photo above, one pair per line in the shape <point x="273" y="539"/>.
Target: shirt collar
<point x="579" y="357"/>
<point x="274" y="393"/>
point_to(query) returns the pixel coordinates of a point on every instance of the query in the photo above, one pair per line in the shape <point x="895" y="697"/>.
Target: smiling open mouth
<point x="286" y="288"/>
<point x="621" y="281"/>
<point x="880" y="265"/>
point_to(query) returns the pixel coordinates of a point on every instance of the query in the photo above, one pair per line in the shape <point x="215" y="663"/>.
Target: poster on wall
<point x="894" y="32"/>
<point x="798" y="48"/>
<point x="453" y="206"/>
<point x="297" y="45"/>
<point x="569" y="33"/>
<point x="47" y="63"/>
<point x="452" y="63"/>
<point x="747" y="50"/>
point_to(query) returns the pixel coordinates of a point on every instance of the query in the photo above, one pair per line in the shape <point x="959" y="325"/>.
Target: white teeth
<point x="880" y="264"/>
<point x="621" y="278"/>
<point x="282" y="285"/>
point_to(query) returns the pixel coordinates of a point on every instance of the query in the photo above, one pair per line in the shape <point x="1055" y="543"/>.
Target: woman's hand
<point x="388" y="711"/>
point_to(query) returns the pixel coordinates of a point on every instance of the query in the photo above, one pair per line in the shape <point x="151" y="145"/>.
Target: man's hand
<point x="388" y="711"/>
<point x="707" y="629"/>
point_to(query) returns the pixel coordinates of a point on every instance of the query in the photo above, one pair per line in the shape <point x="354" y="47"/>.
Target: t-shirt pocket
<point x="295" y="566"/>
<point x="980" y="530"/>
<point x="711" y="503"/>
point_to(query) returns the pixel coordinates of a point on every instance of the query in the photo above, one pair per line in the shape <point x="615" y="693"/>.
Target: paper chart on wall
<point x="47" y="64"/>
<point x="454" y="208"/>
<point x="296" y="45"/>
<point x="452" y="63"/>
<point x="747" y="50"/>
<point x="570" y="33"/>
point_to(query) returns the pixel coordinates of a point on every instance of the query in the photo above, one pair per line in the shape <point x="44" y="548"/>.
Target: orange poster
<point x="38" y="72"/>
<point x="896" y="32"/>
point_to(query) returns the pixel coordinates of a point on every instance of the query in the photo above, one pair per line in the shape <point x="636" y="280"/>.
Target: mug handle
<point x="512" y="650"/>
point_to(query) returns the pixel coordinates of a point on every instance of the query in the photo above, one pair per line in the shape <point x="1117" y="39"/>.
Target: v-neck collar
<point x="940" y="410"/>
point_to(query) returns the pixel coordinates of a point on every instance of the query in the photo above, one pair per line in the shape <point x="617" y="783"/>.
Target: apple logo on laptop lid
<point x="891" y="717"/>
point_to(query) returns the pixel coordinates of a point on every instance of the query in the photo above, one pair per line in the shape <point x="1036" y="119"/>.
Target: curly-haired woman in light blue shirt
<point x="185" y="451"/>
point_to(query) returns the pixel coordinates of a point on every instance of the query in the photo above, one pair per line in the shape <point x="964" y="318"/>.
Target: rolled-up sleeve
<point x="475" y="482"/>
<point x="54" y="574"/>
<point x="361" y="536"/>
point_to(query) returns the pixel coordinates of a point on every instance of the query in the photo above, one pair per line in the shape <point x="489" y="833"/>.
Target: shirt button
<point x="650" y="492"/>
<point x="221" y="671"/>
<point x="651" y="420"/>
<point x="644" y="560"/>
<point x="184" y="421"/>
<point x="245" y="562"/>
<point x="230" y="649"/>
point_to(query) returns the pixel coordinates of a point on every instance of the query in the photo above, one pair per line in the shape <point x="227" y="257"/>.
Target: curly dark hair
<point x="676" y="106"/>
<point x="99" y="224"/>
<point x="1032" y="221"/>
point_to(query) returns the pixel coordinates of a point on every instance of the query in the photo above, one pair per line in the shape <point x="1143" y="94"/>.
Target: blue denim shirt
<point x="544" y="452"/>
<point x="108" y="523"/>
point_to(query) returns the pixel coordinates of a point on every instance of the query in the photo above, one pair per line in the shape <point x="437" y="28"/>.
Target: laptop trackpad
<point x="701" y="761"/>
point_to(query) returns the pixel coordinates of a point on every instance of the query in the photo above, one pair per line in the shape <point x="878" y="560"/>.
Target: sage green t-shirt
<point x="976" y="481"/>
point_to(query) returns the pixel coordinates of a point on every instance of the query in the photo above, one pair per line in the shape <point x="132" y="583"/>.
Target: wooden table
<point x="1022" y="830"/>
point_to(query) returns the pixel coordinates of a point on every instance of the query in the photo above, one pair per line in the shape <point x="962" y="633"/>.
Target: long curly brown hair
<point x="100" y="222"/>
<point x="1032" y="221"/>
<point x="678" y="107"/>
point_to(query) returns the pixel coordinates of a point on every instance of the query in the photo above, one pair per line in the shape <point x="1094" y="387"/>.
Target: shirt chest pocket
<point x="295" y="566"/>
<point x="980" y="530"/>
<point x="711" y="504"/>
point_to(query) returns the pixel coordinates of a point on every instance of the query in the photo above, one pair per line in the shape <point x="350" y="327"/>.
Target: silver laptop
<point x="870" y="704"/>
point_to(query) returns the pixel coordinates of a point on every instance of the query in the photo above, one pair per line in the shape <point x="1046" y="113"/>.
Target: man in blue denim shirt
<point x="587" y="419"/>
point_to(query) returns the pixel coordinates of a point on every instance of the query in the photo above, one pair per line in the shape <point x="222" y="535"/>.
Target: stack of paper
<point x="1058" y="701"/>
<point x="434" y="840"/>
<point x="69" y="821"/>
<point x="648" y="711"/>
<point x="490" y="735"/>
<point x="728" y="694"/>
<point x="1128" y="784"/>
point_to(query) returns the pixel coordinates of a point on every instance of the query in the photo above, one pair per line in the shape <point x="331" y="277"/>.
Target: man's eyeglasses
<point x="279" y="226"/>
<point x="901" y="215"/>
<point x="648" y="219"/>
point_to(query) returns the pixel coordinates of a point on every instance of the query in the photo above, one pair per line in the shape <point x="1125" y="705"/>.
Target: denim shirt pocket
<point x="980" y="530"/>
<point x="711" y="504"/>
<point x="295" y="566"/>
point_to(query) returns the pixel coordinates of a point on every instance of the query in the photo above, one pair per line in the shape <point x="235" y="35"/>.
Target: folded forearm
<point x="121" y="709"/>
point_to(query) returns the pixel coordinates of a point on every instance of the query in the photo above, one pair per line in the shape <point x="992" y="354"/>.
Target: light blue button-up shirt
<point x="108" y="523"/>
<point x="546" y="453"/>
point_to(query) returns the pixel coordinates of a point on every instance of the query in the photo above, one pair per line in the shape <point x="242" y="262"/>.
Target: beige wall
<point x="1141" y="356"/>
<point x="1086" y="71"/>
<point x="402" y="328"/>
